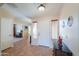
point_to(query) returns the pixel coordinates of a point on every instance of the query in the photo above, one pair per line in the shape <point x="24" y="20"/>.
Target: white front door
<point x="6" y="33"/>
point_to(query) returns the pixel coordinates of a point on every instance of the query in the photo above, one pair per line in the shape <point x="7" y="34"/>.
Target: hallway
<point x="59" y="22"/>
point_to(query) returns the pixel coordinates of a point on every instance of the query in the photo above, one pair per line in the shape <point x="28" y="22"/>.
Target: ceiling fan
<point x="41" y="7"/>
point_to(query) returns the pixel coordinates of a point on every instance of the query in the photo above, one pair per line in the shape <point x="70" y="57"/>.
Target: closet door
<point x="6" y="33"/>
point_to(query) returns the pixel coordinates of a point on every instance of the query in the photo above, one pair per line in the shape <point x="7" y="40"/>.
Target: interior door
<point x="6" y="33"/>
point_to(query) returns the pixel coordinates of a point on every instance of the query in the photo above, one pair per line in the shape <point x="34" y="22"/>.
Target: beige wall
<point x="70" y="34"/>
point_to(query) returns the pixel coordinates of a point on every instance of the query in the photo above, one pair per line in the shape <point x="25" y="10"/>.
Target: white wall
<point x="70" y="34"/>
<point x="44" y="32"/>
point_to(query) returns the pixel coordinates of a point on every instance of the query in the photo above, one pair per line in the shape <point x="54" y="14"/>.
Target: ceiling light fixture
<point x="41" y="7"/>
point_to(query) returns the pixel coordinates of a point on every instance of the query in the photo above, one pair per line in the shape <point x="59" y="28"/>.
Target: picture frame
<point x="63" y="24"/>
<point x="70" y="21"/>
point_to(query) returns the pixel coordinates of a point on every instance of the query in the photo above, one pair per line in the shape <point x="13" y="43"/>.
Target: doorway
<point x="55" y="29"/>
<point x="17" y="31"/>
<point x="34" y="40"/>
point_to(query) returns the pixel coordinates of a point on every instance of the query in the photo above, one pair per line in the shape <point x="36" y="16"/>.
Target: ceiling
<point x="30" y="9"/>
